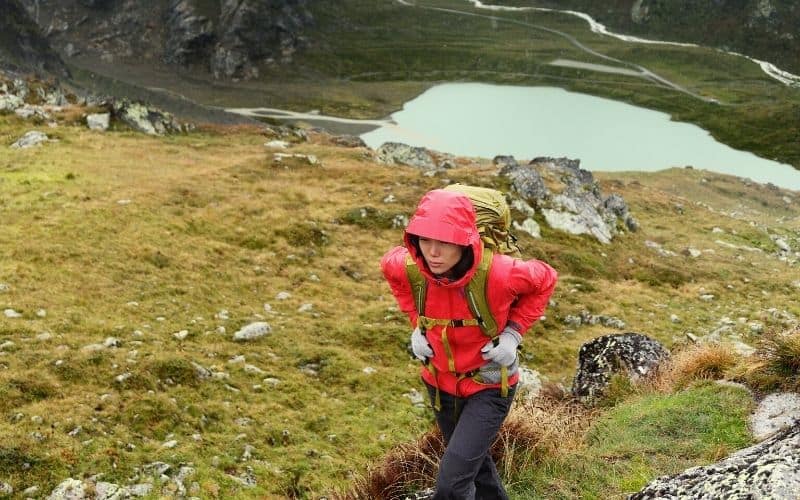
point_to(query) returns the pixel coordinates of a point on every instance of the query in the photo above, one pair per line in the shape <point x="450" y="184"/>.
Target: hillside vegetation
<point x="129" y="261"/>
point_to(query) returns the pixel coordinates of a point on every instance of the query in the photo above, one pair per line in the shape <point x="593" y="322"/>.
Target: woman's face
<point x="439" y="255"/>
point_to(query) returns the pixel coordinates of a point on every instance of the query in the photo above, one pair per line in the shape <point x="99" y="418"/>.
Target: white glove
<point x="505" y="352"/>
<point x="420" y="346"/>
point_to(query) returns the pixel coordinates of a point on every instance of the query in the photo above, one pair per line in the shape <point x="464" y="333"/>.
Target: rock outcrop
<point x="578" y="206"/>
<point x="770" y="469"/>
<point x="23" y="47"/>
<point x="229" y="38"/>
<point x="631" y="354"/>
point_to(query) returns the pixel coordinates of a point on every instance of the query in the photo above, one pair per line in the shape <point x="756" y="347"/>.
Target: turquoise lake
<point x="473" y="119"/>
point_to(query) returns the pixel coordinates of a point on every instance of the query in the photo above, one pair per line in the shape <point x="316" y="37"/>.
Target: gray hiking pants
<point x="469" y="426"/>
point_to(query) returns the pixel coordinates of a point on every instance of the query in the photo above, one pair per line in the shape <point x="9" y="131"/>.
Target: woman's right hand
<point x="420" y="346"/>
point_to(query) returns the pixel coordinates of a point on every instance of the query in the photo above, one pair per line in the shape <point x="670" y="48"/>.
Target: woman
<point x="462" y="364"/>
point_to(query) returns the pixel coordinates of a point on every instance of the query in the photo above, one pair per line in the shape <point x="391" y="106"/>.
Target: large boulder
<point x="631" y="354"/>
<point x="568" y="197"/>
<point x="769" y="470"/>
<point x="143" y="119"/>
<point x="397" y="153"/>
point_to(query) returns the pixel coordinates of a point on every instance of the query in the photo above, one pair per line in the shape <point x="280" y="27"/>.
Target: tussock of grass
<point x="776" y="365"/>
<point x="708" y="361"/>
<point x="405" y="469"/>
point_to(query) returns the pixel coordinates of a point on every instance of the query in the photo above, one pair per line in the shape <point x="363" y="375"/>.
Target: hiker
<point x="471" y="379"/>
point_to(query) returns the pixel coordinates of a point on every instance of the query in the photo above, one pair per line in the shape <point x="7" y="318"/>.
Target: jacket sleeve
<point x="532" y="282"/>
<point x="393" y="265"/>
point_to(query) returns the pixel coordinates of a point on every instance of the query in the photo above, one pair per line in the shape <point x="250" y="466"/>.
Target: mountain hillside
<point x="202" y="314"/>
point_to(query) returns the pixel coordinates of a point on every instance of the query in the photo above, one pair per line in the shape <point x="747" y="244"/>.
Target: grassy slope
<point x="138" y="238"/>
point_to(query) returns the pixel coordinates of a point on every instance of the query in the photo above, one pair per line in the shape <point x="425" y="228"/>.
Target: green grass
<point x="641" y="438"/>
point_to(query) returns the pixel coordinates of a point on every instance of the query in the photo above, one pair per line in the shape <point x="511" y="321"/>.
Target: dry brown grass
<point x="776" y="364"/>
<point x="538" y="429"/>
<point x="708" y="361"/>
<point x="407" y="468"/>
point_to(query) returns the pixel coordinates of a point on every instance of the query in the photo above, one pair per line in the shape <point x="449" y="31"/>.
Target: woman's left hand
<point x="505" y="351"/>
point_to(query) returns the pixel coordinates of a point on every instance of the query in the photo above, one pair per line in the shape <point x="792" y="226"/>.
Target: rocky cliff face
<point x="764" y="29"/>
<point x="230" y="38"/>
<point x="22" y="46"/>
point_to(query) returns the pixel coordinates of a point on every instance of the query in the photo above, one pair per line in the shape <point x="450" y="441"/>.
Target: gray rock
<point x="768" y="470"/>
<point x="529" y="385"/>
<point x="396" y="153"/>
<point x="30" y="139"/>
<point x="530" y="227"/>
<point x="253" y="331"/>
<point x="584" y="222"/>
<point x="143" y="119"/>
<point x="616" y="205"/>
<point x="68" y="489"/>
<point x="527" y="182"/>
<point x="506" y="163"/>
<point x="775" y="412"/>
<point x="632" y="354"/>
<point x="349" y="141"/>
<point x="98" y="121"/>
<point x="6" y="489"/>
<point x="10" y="102"/>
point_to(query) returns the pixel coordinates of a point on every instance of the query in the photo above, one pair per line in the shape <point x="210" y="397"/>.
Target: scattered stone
<point x="11" y="314"/>
<point x="308" y="159"/>
<point x="277" y="144"/>
<point x="170" y="444"/>
<point x="707" y="297"/>
<point x="31" y="492"/>
<point x="98" y="121"/>
<point x="6" y="489"/>
<point x="30" y="139"/>
<point x="5" y="287"/>
<point x="272" y="382"/>
<point x="283" y="295"/>
<point x="181" y="335"/>
<point x="674" y="318"/>
<point x="416" y="397"/>
<point x="369" y="370"/>
<point x="307" y="307"/>
<point x="253" y="331"/>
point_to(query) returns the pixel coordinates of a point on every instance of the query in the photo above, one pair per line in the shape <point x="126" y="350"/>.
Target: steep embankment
<point x="130" y="262"/>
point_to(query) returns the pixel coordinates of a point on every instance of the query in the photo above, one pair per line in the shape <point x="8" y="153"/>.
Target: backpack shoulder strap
<point x="419" y="286"/>
<point x="476" y="296"/>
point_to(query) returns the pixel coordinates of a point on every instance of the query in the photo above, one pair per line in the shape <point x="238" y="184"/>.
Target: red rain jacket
<point x="517" y="291"/>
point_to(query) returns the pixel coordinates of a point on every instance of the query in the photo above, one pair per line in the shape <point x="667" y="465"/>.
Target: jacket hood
<point x="445" y="216"/>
